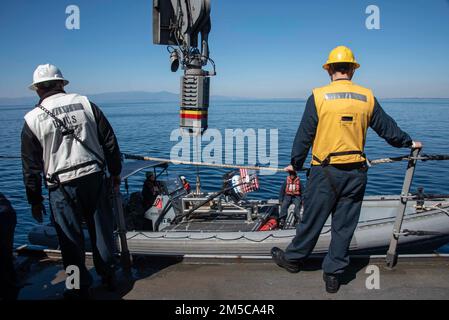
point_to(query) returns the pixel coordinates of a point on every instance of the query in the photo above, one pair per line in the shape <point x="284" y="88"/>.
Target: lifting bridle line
<point x="423" y="157"/>
<point x="198" y="154"/>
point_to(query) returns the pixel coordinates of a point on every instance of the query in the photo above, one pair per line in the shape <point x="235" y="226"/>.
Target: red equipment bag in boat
<point x="270" y="225"/>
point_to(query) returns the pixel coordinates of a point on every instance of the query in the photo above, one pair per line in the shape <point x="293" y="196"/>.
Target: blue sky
<point x="262" y="48"/>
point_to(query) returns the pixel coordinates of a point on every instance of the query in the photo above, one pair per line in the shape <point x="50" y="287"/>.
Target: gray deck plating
<point x="415" y="277"/>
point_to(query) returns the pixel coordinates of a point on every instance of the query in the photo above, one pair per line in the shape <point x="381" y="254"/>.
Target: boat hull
<point x="372" y="235"/>
<point x="371" y="239"/>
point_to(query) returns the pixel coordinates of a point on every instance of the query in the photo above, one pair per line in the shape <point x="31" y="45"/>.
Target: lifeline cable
<point x="204" y="164"/>
<point x="423" y="157"/>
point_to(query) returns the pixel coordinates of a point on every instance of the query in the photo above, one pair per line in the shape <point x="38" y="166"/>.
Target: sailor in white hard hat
<point x="46" y="73"/>
<point x="69" y="140"/>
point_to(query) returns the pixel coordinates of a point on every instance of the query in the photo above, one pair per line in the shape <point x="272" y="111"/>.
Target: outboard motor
<point x="163" y="213"/>
<point x="231" y="182"/>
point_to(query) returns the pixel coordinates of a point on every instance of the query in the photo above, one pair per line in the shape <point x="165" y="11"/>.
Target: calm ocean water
<point x="145" y="128"/>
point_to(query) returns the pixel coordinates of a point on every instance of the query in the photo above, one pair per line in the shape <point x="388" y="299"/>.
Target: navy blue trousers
<point x="335" y="191"/>
<point x="92" y="205"/>
<point x="288" y="200"/>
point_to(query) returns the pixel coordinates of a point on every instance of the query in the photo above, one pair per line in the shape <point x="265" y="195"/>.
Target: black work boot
<point x="278" y="257"/>
<point x="109" y="282"/>
<point x="77" y="294"/>
<point x="332" y="282"/>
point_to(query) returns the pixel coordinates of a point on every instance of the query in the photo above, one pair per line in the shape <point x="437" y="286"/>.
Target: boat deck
<point x="415" y="277"/>
<point x="214" y="225"/>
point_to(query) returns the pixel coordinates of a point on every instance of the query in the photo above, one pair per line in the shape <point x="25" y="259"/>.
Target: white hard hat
<point x="182" y="177"/>
<point x="46" y="72"/>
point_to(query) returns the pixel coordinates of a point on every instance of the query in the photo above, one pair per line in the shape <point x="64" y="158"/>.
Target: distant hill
<point x="117" y="97"/>
<point x="161" y="96"/>
<point x="18" y="101"/>
<point x="133" y="96"/>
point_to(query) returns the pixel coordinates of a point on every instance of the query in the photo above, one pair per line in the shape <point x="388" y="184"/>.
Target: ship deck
<point x="191" y="278"/>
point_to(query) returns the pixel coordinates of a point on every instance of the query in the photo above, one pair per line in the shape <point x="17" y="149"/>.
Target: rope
<point x="434" y="157"/>
<point x="203" y="164"/>
<point x="234" y="166"/>
<point x="424" y="157"/>
<point x="198" y="178"/>
<point x="387" y="160"/>
<point x="419" y="233"/>
<point x="438" y="208"/>
<point x="241" y="237"/>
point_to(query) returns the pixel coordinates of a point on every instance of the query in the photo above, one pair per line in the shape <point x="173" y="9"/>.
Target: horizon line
<point x="216" y="95"/>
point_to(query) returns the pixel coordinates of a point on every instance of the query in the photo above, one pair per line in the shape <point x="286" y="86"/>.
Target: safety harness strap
<point x="327" y="160"/>
<point x="54" y="178"/>
<point x="68" y="131"/>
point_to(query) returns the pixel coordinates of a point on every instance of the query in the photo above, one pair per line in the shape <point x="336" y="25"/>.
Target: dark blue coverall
<point x="93" y="207"/>
<point x="8" y="221"/>
<point x="286" y="200"/>
<point x="333" y="189"/>
<point x="86" y="199"/>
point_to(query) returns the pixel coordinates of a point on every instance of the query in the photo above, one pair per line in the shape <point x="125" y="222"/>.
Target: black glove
<point x="116" y="181"/>
<point x="37" y="211"/>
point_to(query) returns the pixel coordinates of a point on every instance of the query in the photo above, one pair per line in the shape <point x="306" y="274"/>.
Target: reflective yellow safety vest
<point x="344" y="113"/>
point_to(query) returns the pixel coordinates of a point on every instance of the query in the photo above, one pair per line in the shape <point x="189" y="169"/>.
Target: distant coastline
<point x="118" y="97"/>
<point x="164" y="96"/>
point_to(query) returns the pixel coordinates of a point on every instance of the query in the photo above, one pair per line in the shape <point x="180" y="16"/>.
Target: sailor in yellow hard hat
<point x="341" y="54"/>
<point x="335" y="122"/>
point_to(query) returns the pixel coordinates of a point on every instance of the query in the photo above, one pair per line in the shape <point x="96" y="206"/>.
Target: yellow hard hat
<point x="341" y="54"/>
